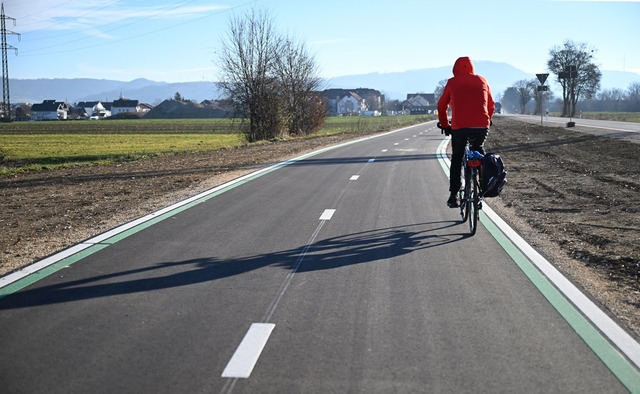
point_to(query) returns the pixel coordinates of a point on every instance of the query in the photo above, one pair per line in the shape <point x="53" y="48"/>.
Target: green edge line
<point x="628" y="375"/>
<point x="617" y="363"/>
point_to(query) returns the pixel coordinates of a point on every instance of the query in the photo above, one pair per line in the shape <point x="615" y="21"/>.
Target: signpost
<point x="569" y="72"/>
<point x="542" y="88"/>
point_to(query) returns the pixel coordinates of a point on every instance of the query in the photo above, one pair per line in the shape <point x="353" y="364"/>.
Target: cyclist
<point x="472" y="106"/>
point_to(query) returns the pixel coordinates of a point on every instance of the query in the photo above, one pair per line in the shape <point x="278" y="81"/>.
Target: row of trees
<point x="269" y="79"/>
<point x="578" y="75"/>
<point x="522" y="93"/>
<point x="615" y="100"/>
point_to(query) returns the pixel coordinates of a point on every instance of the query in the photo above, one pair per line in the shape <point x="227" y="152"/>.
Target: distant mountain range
<point x="86" y="89"/>
<point x="395" y="85"/>
<point x="500" y="76"/>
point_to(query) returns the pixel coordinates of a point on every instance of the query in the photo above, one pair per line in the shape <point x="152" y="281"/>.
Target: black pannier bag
<point x="494" y="175"/>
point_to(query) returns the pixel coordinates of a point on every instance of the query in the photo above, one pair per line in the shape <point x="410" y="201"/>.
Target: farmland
<point x="30" y="146"/>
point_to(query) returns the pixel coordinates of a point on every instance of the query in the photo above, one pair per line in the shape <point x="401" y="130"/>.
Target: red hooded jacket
<point x="469" y="96"/>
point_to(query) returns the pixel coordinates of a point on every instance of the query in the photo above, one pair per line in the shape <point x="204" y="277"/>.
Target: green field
<point x="617" y="116"/>
<point x="29" y="146"/>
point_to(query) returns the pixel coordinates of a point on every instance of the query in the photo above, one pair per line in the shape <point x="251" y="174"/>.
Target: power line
<point x="133" y="20"/>
<point x="50" y="25"/>
<point x="35" y="52"/>
<point x="47" y="9"/>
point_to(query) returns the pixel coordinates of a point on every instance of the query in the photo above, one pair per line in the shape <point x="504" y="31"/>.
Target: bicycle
<point x="470" y="193"/>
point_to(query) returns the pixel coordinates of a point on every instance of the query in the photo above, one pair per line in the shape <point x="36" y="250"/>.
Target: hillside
<point x="85" y="89"/>
<point x="394" y="85"/>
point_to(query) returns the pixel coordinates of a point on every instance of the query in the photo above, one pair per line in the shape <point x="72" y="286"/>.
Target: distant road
<point x="607" y="128"/>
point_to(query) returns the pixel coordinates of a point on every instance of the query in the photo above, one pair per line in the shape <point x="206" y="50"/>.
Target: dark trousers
<point x="459" y="138"/>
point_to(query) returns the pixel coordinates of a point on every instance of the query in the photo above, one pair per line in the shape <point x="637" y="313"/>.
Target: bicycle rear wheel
<point x="473" y="204"/>
<point x="464" y="193"/>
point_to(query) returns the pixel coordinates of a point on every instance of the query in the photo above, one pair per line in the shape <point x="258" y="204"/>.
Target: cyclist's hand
<point x="444" y="130"/>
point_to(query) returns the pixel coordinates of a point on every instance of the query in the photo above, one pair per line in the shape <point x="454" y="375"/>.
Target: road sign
<point x="543" y="88"/>
<point x="568" y="73"/>
<point x="542" y="78"/>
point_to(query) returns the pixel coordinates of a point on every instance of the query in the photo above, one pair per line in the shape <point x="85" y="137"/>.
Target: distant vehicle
<point x="498" y="109"/>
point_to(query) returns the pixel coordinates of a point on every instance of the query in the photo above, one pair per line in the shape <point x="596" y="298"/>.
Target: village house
<point x="22" y="112"/>
<point x="96" y="109"/>
<point x="144" y="107"/>
<point x="50" y="110"/>
<point x="55" y="110"/>
<point x="351" y="103"/>
<point x="122" y="105"/>
<point x="361" y="101"/>
<point x="420" y="103"/>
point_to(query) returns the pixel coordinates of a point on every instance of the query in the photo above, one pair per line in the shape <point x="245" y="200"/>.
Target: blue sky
<point x="176" y="41"/>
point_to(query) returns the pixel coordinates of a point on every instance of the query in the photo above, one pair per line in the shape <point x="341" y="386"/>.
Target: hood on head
<point x="463" y="65"/>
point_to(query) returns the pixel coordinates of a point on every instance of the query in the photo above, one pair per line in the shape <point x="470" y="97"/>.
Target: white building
<point x="96" y="109"/>
<point x="124" y="105"/>
<point x="50" y="110"/>
<point x="351" y="103"/>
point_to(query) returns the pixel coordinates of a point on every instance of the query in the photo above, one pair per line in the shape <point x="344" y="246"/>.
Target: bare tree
<point x="525" y="92"/>
<point x="297" y="74"/>
<point x="614" y="94"/>
<point x="510" y="100"/>
<point x="439" y="89"/>
<point x="270" y="79"/>
<point x="611" y="99"/>
<point x="633" y="95"/>
<point x="394" y="105"/>
<point x="541" y="97"/>
<point x="580" y="76"/>
<point x="246" y="63"/>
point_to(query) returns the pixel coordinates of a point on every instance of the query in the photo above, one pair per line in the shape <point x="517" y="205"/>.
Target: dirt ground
<point x="574" y="196"/>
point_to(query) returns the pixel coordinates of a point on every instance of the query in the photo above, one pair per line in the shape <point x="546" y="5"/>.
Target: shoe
<point x="452" y="202"/>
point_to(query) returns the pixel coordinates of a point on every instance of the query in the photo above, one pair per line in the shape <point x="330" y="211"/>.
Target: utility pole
<point x="6" y="100"/>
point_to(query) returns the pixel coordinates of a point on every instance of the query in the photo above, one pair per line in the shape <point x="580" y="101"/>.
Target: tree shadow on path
<point x="364" y="247"/>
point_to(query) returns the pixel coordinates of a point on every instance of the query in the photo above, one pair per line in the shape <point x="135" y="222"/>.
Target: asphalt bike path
<point x="342" y="271"/>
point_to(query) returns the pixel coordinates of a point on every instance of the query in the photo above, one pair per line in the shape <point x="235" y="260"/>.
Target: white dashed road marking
<point x="248" y="352"/>
<point x="327" y="214"/>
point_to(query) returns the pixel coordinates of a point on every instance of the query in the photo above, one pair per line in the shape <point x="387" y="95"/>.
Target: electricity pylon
<point x="5" y="111"/>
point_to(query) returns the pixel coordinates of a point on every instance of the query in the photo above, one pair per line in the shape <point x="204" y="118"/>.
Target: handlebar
<point x="446" y="131"/>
